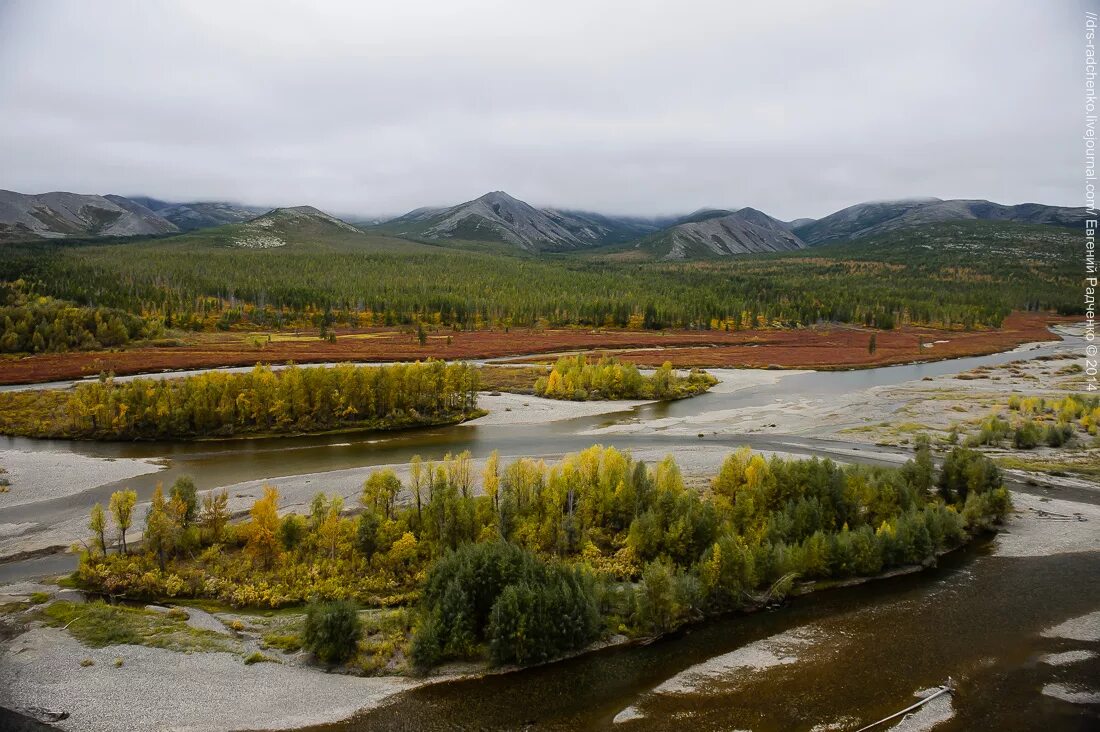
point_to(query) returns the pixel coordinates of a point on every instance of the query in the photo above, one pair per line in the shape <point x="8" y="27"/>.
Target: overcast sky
<point x="638" y="107"/>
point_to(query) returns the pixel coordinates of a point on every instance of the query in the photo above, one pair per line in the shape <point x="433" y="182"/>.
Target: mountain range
<point x="201" y="214"/>
<point x="498" y="217"/>
<point x="500" y="220"/>
<point x="719" y="233"/>
<point x="879" y="217"/>
<point x="60" y="214"/>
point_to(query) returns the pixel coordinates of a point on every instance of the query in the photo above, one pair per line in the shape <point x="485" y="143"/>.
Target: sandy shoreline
<point x="42" y="476"/>
<point x="507" y="409"/>
<point x="1044" y="526"/>
<point x="162" y="689"/>
<point x="889" y="414"/>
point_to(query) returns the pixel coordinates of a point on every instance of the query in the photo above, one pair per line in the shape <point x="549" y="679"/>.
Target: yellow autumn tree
<point x="263" y="536"/>
<point x="555" y="385"/>
<point x="490" y="478"/>
<point x="121" y="507"/>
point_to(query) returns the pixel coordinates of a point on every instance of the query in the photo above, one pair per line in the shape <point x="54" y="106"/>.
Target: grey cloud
<point x="627" y="107"/>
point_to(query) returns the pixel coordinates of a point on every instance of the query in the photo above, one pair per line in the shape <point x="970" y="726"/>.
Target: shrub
<point x="366" y="535"/>
<point x="1057" y="435"/>
<point x="659" y="607"/>
<point x="332" y="630"/>
<point x="1026" y="436"/>
<point x="257" y="657"/>
<point x="965" y="471"/>
<point x="184" y="491"/>
<point x="533" y="622"/>
<point x="985" y="510"/>
<point x="573" y="377"/>
<point x="427" y="643"/>
<point x="993" y="430"/>
<point x="291" y="530"/>
<point x="526" y="609"/>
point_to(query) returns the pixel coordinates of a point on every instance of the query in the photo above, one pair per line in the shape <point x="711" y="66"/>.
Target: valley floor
<point x="824" y="347"/>
<point x="43" y="667"/>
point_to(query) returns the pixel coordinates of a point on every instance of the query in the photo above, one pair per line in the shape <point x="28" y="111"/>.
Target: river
<point x="215" y="463"/>
<point x="860" y="654"/>
<point x="846" y="657"/>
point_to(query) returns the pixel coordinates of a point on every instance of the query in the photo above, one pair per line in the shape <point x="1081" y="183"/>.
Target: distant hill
<point x="879" y="217"/>
<point x="60" y="214"/>
<point x="701" y="214"/>
<point x="706" y="233"/>
<point x="153" y="204"/>
<point x="281" y="226"/>
<point x="500" y="223"/>
<point x="792" y="225"/>
<point x="494" y="217"/>
<point x="305" y="231"/>
<point x="499" y="217"/>
<point x="716" y="233"/>
<point x="204" y="214"/>
<point x="973" y="239"/>
<point x="595" y="229"/>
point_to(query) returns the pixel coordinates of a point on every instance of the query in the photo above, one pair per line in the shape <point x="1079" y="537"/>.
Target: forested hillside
<point x="956" y="275"/>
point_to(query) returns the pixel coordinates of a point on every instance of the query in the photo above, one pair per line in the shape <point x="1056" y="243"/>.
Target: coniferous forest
<point x="32" y="323"/>
<point x="964" y="274"/>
